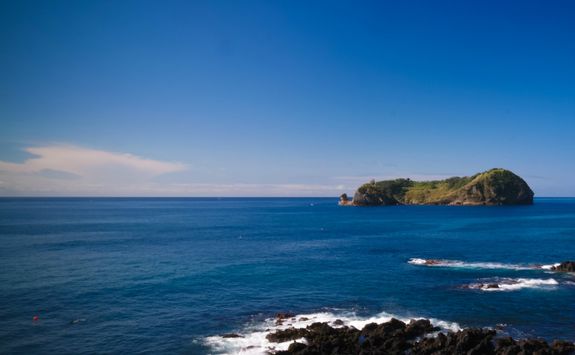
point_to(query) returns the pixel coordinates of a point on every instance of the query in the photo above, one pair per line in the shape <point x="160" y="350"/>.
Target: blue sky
<point x="282" y="98"/>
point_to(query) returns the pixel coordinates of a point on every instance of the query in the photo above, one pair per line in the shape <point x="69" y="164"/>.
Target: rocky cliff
<point x="492" y="187"/>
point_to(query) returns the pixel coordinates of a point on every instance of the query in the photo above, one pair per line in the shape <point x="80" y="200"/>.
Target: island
<point x="493" y="187"/>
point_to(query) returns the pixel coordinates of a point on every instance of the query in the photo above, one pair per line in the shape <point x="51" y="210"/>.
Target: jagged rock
<point x="563" y="347"/>
<point x="232" y="335"/>
<point x="566" y="266"/>
<point x="396" y="337"/>
<point x="420" y="327"/>
<point x="295" y="347"/>
<point x="284" y="315"/>
<point x="287" y="334"/>
<point x="344" y="200"/>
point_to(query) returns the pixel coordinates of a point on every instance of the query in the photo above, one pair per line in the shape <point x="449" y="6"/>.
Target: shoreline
<point x="416" y="337"/>
<point x="383" y="333"/>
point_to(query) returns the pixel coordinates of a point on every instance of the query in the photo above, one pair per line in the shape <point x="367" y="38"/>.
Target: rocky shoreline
<point x="566" y="266"/>
<point x="397" y="337"/>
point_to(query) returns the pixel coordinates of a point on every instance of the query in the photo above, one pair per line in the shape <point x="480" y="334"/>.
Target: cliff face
<point x="493" y="187"/>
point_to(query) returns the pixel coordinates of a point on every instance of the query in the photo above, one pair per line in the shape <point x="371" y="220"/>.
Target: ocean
<point x="171" y="275"/>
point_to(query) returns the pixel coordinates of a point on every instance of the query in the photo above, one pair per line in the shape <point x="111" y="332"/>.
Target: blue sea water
<point x="109" y="275"/>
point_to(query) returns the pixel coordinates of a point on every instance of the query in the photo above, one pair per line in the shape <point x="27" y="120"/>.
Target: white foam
<point x="253" y="337"/>
<point x="417" y="261"/>
<point x="475" y="265"/>
<point x="508" y="284"/>
<point x="549" y="267"/>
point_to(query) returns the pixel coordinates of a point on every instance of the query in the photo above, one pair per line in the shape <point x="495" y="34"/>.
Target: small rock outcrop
<point x="566" y="266"/>
<point x="344" y="200"/>
<point x="283" y="316"/>
<point x="231" y="335"/>
<point x="492" y="187"/>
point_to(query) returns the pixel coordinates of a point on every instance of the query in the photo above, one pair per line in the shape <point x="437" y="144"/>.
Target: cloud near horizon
<point x="69" y="170"/>
<point x="84" y="161"/>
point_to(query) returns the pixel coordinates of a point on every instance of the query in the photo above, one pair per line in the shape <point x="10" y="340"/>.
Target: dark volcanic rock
<point x="396" y="337"/>
<point x="468" y="341"/>
<point x="563" y="347"/>
<point x="295" y="347"/>
<point x="344" y="200"/>
<point x="231" y="335"/>
<point x="420" y="327"/>
<point x="533" y="346"/>
<point x="566" y="266"/>
<point x="288" y="334"/>
<point x="284" y="315"/>
<point x="373" y="199"/>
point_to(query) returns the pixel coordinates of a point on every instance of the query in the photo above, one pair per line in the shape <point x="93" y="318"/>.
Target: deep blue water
<point x="158" y="275"/>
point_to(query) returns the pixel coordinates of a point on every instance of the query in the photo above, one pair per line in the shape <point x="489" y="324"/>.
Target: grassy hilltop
<point x="492" y="187"/>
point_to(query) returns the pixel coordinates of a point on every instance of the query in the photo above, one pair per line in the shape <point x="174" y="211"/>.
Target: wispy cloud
<point x="69" y="170"/>
<point x="73" y="170"/>
<point x="244" y="189"/>
<point x="84" y="161"/>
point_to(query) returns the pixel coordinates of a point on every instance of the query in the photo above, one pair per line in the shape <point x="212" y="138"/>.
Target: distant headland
<point x="492" y="187"/>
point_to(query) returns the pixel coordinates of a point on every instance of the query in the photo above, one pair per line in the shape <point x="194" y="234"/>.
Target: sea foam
<point x="476" y="265"/>
<point x="510" y="284"/>
<point x="252" y="338"/>
<point x="549" y="267"/>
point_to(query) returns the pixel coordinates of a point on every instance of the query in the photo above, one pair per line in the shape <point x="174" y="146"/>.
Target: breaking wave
<point x="477" y="265"/>
<point x="251" y="340"/>
<point x="509" y="284"/>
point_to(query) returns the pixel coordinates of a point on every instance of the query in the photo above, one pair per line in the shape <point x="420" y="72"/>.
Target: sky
<point x="282" y="98"/>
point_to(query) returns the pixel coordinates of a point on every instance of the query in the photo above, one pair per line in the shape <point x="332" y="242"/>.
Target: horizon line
<point x="213" y="197"/>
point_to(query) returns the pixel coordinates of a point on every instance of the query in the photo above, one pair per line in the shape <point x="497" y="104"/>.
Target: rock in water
<point x="492" y="187"/>
<point x="344" y="200"/>
<point x="283" y="316"/>
<point x="566" y="266"/>
<point x="231" y="335"/>
<point x="287" y="334"/>
<point x="396" y="337"/>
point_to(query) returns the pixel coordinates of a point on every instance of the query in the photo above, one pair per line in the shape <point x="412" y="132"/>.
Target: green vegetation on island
<point x="492" y="187"/>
